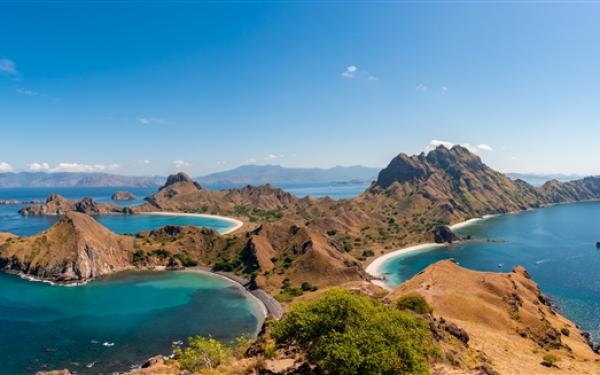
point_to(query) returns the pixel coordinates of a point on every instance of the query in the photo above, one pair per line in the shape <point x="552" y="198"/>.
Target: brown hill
<point x="58" y="205"/>
<point x="505" y="317"/>
<point x="75" y="249"/>
<point x="181" y="193"/>
<point x="453" y="184"/>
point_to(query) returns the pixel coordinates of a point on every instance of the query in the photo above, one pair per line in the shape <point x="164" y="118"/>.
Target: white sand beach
<point x="374" y="268"/>
<point x="237" y="224"/>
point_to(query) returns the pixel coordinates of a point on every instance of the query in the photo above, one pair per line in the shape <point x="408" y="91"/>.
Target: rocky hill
<point x="506" y="319"/>
<point x="181" y="193"/>
<point x="58" y="205"/>
<point x="75" y="249"/>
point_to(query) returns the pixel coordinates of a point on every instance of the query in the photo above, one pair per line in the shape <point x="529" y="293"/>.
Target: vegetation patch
<point x="346" y="333"/>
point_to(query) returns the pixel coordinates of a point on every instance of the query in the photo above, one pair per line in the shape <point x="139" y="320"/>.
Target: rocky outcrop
<point x="75" y="249"/>
<point x="502" y="317"/>
<point x="443" y="234"/>
<point x="122" y="196"/>
<point x="58" y="205"/>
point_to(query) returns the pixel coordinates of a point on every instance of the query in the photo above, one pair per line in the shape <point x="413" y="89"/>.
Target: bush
<point x="139" y="257"/>
<point x="202" y="353"/>
<point x="415" y="303"/>
<point x="550" y="360"/>
<point x="186" y="261"/>
<point x="368" y="253"/>
<point x="346" y="333"/>
<point x="308" y="287"/>
<point x="565" y="331"/>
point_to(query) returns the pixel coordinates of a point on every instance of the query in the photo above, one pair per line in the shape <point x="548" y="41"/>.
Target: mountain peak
<point x="180" y="177"/>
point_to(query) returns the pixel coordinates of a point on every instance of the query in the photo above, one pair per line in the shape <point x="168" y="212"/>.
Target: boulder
<point x="443" y="234"/>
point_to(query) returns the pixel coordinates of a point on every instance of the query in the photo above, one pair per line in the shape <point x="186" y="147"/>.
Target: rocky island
<point x="122" y="196"/>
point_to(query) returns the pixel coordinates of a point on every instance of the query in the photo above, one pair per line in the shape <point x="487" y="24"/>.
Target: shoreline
<point x="237" y="224"/>
<point x="374" y="268"/>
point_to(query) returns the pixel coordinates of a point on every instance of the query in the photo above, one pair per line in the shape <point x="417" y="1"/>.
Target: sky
<point x="150" y="88"/>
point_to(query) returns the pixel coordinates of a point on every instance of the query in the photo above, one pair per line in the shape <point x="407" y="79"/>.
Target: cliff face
<point x="75" y="249"/>
<point x="57" y="205"/>
<point x="505" y="318"/>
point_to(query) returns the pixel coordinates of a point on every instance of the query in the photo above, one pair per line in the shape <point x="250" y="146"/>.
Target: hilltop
<point x="75" y="249"/>
<point x="506" y="318"/>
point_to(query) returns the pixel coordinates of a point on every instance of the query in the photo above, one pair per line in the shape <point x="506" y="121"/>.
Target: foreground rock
<point x="58" y="205"/>
<point x="122" y="196"/>
<point x="503" y="317"/>
<point x="75" y="249"/>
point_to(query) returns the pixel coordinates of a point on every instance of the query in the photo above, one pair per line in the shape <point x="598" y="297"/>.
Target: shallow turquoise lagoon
<point x="110" y="324"/>
<point x="556" y="244"/>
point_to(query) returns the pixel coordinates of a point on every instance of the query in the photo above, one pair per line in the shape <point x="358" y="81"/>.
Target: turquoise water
<point x="11" y="221"/>
<point x="557" y="245"/>
<point x="46" y="326"/>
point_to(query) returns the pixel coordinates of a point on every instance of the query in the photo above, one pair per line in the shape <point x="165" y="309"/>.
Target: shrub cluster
<point x="347" y="334"/>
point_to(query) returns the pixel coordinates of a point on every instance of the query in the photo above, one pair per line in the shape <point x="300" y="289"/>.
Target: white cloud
<point x="8" y="67"/>
<point x="421" y="87"/>
<point x="181" y="164"/>
<point x="72" y="167"/>
<point x="444" y="88"/>
<point x="38" y="167"/>
<point x="373" y="78"/>
<point x="5" y="167"/>
<point x="250" y="161"/>
<point x="221" y="163"/>
<point x="26" y="92"/>
<point x="350" y="71"/>
<point x="150" y="120"/>
<point x="146" y="161"/>
<point x="271" y="157"/>
<point x="474" y="149"/>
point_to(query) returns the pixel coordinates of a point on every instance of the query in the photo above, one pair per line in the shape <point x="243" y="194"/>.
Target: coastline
<point x="374" y="268"/>
<point x="237" y="224"/>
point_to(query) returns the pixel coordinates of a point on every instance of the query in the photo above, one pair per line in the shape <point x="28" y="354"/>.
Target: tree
<point x="202" y="353"/>
<point x="348" y="334"/>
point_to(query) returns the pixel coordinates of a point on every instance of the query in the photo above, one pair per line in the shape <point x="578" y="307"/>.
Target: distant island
<point x="75" y="179"/>
<point x="276" y="174"/>
<point x="243" y="175"/>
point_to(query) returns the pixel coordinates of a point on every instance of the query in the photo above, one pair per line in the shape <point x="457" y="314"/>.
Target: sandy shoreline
<point x="237" y="224"/>
<point x="374" y="268"/>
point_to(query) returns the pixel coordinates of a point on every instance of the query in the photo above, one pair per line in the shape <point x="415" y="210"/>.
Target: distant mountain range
<point x="75" y="179"/>
<point x="538" y="179"/>
<point x="275" y="174"/>
<point x="243" y="175"/>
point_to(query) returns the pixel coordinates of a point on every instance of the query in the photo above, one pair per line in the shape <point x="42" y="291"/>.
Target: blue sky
<point x="151" y="88"/>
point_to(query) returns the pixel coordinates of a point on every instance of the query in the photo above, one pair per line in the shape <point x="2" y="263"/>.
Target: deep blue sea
<point x="557" y="245"/>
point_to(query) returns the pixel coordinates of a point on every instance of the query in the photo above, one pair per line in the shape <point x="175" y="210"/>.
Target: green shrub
<point x="549" y="360"/>
<point x="368" y="253"/>
<point x="202" y="353"/>
<point x="347" y="334"/>
<point x="565" y="331"/>
<point x="308" y="287"/>
<point x="161" y="253"/>
<point x="139" y="257"/>
<point x="415" y="303"/>
<point x="186" y="261"/>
